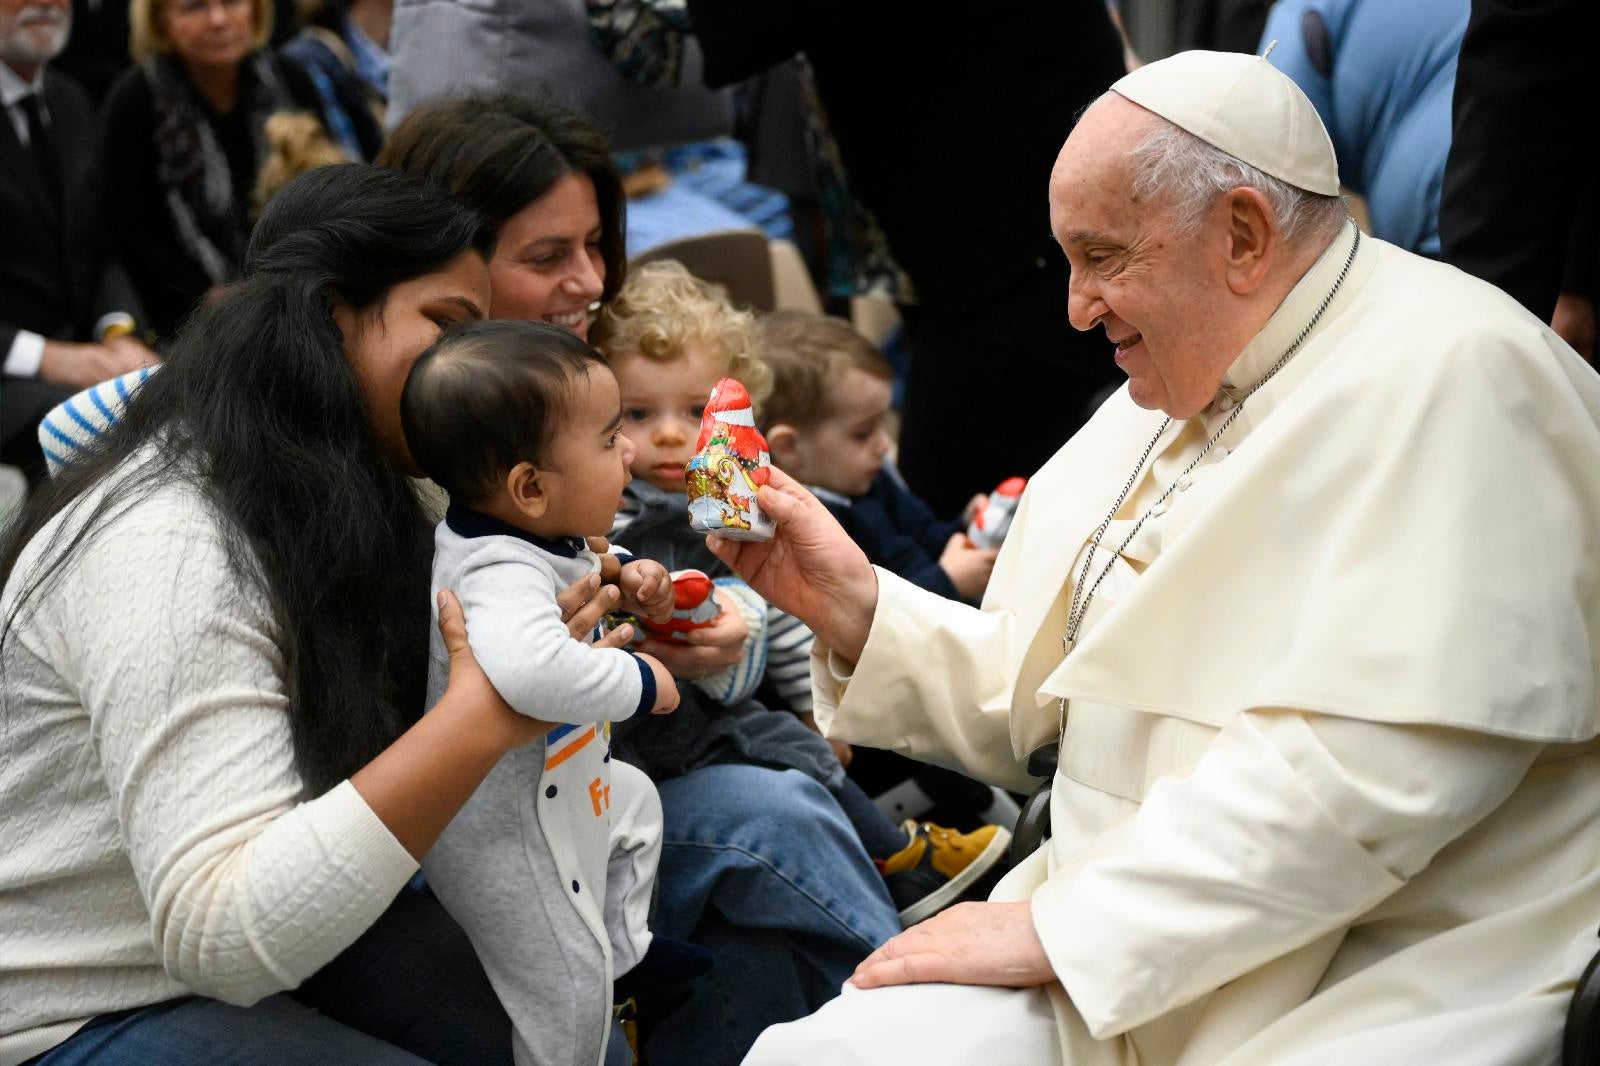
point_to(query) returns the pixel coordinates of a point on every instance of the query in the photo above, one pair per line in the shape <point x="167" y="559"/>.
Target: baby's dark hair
<point x="489" y="396"/>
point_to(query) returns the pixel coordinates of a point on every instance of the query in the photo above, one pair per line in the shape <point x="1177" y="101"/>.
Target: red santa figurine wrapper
<point x="990" y="525"/>
<point x="729" y="464"/>
<point x="693" y="606"/>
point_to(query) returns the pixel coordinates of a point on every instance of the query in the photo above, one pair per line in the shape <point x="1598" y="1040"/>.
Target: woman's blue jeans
<point x="759" y="865"/>
<point x="762" y="867"/>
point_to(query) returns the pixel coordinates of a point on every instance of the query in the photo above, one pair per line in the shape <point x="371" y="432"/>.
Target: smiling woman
<point x="542" y="175"/>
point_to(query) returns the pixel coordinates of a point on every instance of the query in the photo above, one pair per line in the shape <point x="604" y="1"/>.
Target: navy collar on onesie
<point x="465" y="522"/>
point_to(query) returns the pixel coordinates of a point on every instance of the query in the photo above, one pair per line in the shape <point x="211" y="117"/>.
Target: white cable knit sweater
<point x="153" y="838"/>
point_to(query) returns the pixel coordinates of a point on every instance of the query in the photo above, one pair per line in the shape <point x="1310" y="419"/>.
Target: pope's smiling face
<point x="1167" y="299"/>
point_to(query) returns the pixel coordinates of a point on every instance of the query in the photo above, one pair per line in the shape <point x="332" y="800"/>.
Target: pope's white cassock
<point x="1328" y="791"/>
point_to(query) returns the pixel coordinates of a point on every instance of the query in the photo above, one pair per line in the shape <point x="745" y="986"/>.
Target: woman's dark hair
<point x="258" y="406"/>
<point x="498" y="152"/>
<point x="487" y="397"/>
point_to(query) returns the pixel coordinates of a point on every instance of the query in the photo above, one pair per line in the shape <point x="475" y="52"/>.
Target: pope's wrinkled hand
<point x="810" y="568"/>
<point x="969" y="944"/>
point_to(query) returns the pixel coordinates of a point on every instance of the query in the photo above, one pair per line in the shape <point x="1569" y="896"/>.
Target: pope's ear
<point x="1254" y="239"/>
<point x="525" y="491"/>
<point x="783" y="442"/>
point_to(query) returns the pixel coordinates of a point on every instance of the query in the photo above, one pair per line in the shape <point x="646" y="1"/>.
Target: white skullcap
<point x="1243" y="105"/>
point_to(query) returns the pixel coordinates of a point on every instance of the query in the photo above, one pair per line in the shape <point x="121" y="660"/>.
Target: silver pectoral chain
<point x="1079" y="605"/>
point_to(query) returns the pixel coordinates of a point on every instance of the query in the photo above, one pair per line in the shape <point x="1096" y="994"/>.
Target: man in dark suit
<point x="63" y="301"/>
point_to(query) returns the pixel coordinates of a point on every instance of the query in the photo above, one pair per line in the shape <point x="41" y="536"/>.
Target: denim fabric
<point x="762" y="867"/>
<point x="879" y="834"/>
<point x="409" y="991"/>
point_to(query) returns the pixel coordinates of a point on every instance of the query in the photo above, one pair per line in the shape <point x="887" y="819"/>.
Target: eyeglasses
<point x="190" y="9"/>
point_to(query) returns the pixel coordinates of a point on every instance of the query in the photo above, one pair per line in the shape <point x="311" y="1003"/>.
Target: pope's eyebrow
<point x="1083" y="236"/>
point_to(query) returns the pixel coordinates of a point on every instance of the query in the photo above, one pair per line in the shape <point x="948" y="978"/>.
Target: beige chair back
<point x="738" y="260"/>
<point x="792" y="287"/>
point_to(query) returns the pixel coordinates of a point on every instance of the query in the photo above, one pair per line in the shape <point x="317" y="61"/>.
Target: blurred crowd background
<point x="885" y="162"/>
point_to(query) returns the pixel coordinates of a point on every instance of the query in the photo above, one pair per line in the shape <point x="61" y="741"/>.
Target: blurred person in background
<point x="1382" y="77"/>
<point x="1221" y="25"/>
<point x="344" y="49"/>
<point x="186" y="133"/>
<point x="443" y="47"/>
<point x="65" y="304"/>
<point x="98" y="50"/>
<point x="1520" y="189"/>
<point x="947" y="122"/>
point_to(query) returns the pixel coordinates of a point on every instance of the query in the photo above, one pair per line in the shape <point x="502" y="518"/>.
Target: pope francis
<point x="1312" y="607"/>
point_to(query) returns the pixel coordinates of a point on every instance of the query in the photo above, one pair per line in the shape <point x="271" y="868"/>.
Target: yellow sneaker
<point x="939" y="866"/>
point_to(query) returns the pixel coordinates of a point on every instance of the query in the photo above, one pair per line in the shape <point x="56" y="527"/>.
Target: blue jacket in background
<point x="1381" y="74"/>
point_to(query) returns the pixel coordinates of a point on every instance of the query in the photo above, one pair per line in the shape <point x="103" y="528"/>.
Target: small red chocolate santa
<point x="693" y="606"/>
<point x="989" y="526"/>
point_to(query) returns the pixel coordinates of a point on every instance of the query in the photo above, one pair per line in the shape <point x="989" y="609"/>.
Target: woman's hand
<point x="706" y="650"/>
<point x="583" y="603"/>
<point x="969" y="944"/>
<point x="810" y="568"/>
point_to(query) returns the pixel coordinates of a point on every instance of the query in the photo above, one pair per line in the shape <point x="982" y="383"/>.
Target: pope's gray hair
<point x="1192" y="173"/>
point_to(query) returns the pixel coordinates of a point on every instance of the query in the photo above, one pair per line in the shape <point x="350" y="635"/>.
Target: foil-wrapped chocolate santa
<point x="729" y="465"/>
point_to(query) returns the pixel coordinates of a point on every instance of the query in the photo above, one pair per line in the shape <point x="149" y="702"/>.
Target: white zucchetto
<point x="1243" y="105"/>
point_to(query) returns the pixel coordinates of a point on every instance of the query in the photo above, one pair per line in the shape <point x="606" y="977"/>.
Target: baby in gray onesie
<point x="550" y="865"/>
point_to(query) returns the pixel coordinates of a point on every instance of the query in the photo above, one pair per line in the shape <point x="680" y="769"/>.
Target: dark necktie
<point x="42" y="147"/>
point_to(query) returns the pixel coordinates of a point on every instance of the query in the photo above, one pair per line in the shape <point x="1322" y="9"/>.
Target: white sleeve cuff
<point x="25" y="356"/>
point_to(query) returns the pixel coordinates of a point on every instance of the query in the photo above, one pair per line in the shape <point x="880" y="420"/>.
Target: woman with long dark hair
<point x="213" y="648"/>
<point x="758" y="864"/>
